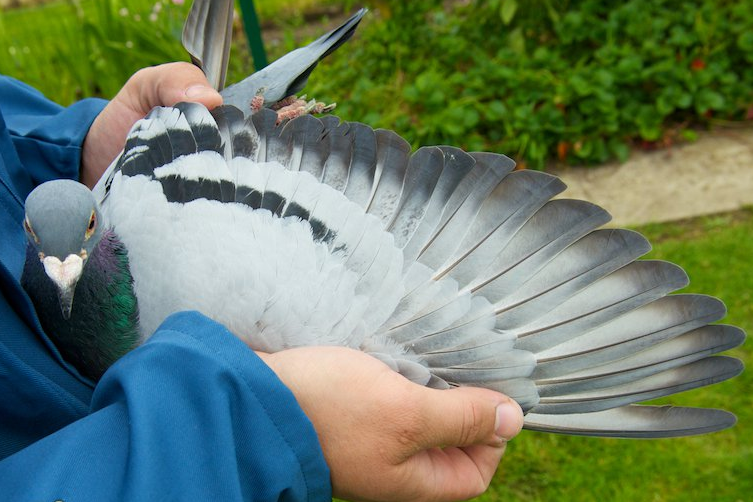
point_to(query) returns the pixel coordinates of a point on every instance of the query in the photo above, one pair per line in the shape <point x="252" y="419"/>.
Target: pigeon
<point x="451" y="267"/>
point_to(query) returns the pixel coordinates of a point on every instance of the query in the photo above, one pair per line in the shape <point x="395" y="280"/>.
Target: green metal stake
<point x="253" y="33"/>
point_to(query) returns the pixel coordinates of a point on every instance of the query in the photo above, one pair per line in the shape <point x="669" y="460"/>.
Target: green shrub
<point x="544" y="79"/>
<point x="580" y="81"/>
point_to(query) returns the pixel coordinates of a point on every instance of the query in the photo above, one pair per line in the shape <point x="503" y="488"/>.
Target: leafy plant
<point x="578" y="81"/>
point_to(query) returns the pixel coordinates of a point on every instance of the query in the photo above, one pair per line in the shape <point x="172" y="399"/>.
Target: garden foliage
<point x="579" y="81"/>
<point x="574" y="80"/>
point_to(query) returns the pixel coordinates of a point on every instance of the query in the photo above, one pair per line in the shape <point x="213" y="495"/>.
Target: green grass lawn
<point x="716" y="252"/>
<point x="80" y="48"/>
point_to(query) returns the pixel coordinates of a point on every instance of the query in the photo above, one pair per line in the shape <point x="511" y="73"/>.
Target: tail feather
<point x="334" y="39"/>
<point x="207" y="34"/>
<point x="288" y="75"/>
<point x="319" y="49"/>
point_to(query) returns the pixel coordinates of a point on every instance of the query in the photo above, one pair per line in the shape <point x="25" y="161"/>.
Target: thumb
<point x="168" y="84"/>
<point x="467" y="416"/>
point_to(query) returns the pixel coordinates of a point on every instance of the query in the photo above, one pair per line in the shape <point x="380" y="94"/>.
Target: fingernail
<point x="196" y="91"/>
<point x="509" y="420"/>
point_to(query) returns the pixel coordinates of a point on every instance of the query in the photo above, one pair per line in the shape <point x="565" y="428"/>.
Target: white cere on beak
<point x="66" y="273"/>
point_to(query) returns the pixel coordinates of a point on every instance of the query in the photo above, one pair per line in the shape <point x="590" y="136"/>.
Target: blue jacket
<point x="192" y="414"/>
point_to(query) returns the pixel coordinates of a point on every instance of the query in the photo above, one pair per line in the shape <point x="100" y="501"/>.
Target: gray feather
<point x="272" y="147"/>
<point x="238" y="140"/>
<point x="391" y="166"/>
<point x="288" y="75"/>
<point x="629" y="334"/>
<point x="361" y="174"/>
<point x="673" y="353"/>
<point x="474" y="330"/>
<point x="706" y="371"/>
<point x="144" y="149"/>
<point x="512" y="202"/>
<point x="421" y="178"/>
<point x="505" y="366"/>
<point x="207" y="34"/>
<point x="309" y="150"/>
<point x="458" y="209"/>
<point x="555" y="226"/>
<point x="590" y="258"/>
<point x="634" y="422"/>
<point x="203" y="127"/>
<point x="626" y="289"/>
<point x="452" y="176"/>
<point x="335" y="171"/>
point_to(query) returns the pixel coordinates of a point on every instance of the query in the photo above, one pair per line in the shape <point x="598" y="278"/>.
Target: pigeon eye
<point x="92" y="226"/>
<point x="30" y="231"/>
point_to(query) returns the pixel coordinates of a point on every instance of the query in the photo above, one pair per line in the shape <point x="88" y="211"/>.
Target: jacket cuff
<point x="273" y="397"/>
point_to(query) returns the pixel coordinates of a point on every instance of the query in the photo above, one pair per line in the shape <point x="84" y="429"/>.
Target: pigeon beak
<point x="65" y="275"/>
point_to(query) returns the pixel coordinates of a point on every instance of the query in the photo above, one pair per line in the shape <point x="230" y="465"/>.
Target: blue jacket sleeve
<point x="192" y="414"/>
<point x="47" y="137"/>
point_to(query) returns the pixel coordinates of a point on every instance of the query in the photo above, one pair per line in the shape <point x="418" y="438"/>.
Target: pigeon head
<point x="64" y="224"/>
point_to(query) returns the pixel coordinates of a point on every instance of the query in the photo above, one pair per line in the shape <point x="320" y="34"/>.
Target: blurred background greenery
<point x="542" y="81"/>
<point x="573" y="81"/>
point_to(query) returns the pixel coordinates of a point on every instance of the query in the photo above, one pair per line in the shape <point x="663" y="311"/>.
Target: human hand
<point x="386" y="438"/>
<point x="163" y="85"/>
